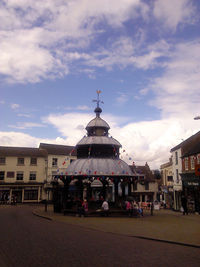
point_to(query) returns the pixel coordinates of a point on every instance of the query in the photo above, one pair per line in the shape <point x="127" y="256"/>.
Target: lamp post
<point x="197" y="118"/>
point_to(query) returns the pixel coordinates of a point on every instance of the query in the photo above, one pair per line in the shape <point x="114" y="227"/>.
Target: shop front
<point x="191" y="189"/>
<point x="21" y="193"/>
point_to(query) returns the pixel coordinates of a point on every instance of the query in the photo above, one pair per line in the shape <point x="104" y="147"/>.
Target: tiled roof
<point x="97" y="122"/>
<point x="100" y="140"/>
<point x="143" y="170"/>
<point x="186" y="143"/>
<point x="192" y="147"/>
<point x="22" y="151"/>
<point x="58" y="149"/>
<point x="100" y="167"/>
<point x="165" y="165"/>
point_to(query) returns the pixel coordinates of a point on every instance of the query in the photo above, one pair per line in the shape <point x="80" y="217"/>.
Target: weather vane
<point x="98" y="100"/>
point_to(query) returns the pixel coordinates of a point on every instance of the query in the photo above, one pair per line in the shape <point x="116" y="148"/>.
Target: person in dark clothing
<point x="184" y="205"/>
<point x="79" y="208"/>
<point x="151" y="207"/>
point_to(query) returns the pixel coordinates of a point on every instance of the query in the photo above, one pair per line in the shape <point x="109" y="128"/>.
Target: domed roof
<point x="98" y="140"/>
<point x="99" y="167"/>
<point x="97" y="122"/>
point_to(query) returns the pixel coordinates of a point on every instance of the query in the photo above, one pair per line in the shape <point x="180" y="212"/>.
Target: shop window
<point x="20" y="176"/>
<point x="192" y="163"/>
<point x="33" y="161"/>
<point x="186" y="164"/>
<point x="10" y="174"/>
<point x="20" y="161"/>
<point x="147" y="186"/>
<point x="31" y="194"/>
<point x="2" y="175"/>
<point x="32" y="176"/>
<point x="54" y="162"/>
<point x="2" y="161"/>
<point x="176" y="157"/>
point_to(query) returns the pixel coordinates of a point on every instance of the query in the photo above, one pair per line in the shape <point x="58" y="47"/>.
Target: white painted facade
<point x="177" y="183"/>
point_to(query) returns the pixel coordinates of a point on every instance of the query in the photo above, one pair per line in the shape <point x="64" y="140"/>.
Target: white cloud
<point x="147" y="141"/>
<point x="173" y="12"/>
<point x="144" y="91"/>
<point x="26" y="125"/>
<point x="36" y="37"/>
<point x="26" y="140"/>
<point x="14" y="106"/>
<point x="122" y="99"/>
<point x="52" y="39"/>
<point x="84" y="107"/>
<point x="24" y="115"/>
<point x="177" y="90"/>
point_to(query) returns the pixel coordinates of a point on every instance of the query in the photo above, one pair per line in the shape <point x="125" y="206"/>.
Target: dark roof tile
<point x="58" y="149"/>
<point x="22" y="151"/>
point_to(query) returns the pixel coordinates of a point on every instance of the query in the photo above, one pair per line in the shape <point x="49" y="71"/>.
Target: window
<point x="20" y="176"/>
<point x="20" y="161"/>
<point x="170" y="178"/>
<point x="192" y="163"/>
<point x="32" y="176"/>
<point x="177" y="176"/>
<point x="31" y="194"/>
<point x="2" y="160"/>
<point x="176" y="157"/>
<point x="10" y="174"/>
<point x="54" y="162"/>
<point x="2" y="175"/>
<point x="146" y="186"/>
<point x="33" y="161"/>
<point x="135" y="186"/>
<point x="186" y="164"/>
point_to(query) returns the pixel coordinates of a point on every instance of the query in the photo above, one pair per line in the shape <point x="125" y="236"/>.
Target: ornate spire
<point x="98" y="110"/>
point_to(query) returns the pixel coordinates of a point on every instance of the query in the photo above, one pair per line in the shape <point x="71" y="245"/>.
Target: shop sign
<point x="192" y="183"/>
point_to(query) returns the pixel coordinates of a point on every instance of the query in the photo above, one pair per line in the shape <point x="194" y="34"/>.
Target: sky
<point x="144" y="56"/>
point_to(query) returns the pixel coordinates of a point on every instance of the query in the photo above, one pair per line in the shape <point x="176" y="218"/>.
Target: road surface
<point x="31" y="241"/>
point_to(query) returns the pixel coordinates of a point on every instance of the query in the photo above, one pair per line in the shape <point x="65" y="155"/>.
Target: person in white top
<point x="105" y="208"/>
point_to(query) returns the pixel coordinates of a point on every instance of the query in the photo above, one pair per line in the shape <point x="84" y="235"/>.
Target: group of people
<point x="82" y="208"/>
<point x="133" y="208"/>
<point x="5" y="198"/>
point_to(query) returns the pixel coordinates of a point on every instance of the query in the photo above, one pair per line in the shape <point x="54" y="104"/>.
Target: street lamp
<point x="197" y="118"/>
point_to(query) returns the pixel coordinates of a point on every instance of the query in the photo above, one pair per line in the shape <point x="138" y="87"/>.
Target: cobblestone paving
<point x="27" y="240"/>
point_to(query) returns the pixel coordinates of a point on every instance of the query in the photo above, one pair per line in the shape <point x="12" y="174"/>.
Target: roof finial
<point x="98" y="110"/>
